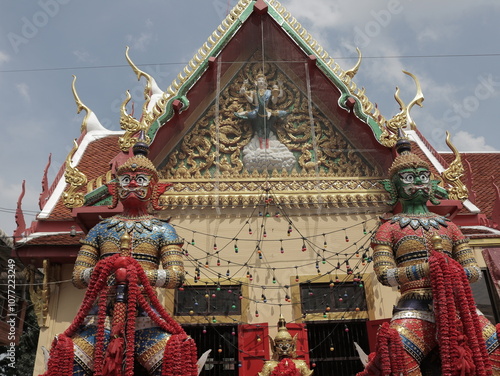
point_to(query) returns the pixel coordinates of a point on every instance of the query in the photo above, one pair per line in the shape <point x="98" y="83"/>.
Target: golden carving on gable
<point x="217" y="141"/>
<point x="209" y="166"/>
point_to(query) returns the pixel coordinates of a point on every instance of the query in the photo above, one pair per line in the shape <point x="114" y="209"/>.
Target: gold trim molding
<point x="297" y="191"/>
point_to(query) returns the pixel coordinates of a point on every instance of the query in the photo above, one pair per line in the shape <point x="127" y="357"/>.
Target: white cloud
<point x="4" y="57"/>
<point x="139" y="42"/>
<point x="84" y="56"/>
<point x="23" y="89"/>
<point x="464" y="141"/>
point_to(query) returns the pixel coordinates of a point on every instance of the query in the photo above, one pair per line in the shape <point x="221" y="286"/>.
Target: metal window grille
<point x="341" y="297"/>
<point x="331" y="346"/>
<point x="222" y="340"/>
<point x="208" y="300"/>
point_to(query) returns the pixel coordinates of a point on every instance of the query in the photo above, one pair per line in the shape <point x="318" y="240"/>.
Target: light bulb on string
<point x="235" y="245"/>
<point x="281" y="249"/>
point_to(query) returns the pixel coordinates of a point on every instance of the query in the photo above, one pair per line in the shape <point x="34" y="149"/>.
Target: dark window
<point x="329" y="297"/>
<point x="222" y="340"/>
<point x="331" y="346"/>
<point x="486" y="297"/>
<point x="208" y="300"/>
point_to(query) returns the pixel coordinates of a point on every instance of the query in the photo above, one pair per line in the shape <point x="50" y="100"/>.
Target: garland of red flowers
<point x="462" y="347"/>
<point x="180" y="351"/>
<point x="286" y="367"/>
<point x="389" y="355"/>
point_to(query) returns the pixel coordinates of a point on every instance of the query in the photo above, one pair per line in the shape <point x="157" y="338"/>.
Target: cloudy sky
<point x="451" y="46"/>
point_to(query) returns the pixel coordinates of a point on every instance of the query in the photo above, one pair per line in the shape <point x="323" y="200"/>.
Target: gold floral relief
<point x="216" y="142"/>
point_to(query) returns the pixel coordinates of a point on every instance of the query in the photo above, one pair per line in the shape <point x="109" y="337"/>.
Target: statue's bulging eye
<point x="424" y="178"/>
<point x="124" y="180"/>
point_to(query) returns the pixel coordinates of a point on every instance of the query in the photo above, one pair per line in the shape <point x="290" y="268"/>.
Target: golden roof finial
<point x="80" y="106"/>
<point x="352" y="72"/>
<point x="403" y="118"/>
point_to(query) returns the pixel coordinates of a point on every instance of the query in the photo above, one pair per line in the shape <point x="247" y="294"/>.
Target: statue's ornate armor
<point x="153" y="242"/>
<point x="401" y="248"/>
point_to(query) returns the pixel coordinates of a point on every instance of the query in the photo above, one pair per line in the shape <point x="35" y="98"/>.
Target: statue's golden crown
<point x="139" y="162"/>
<point x="406" y="160"/>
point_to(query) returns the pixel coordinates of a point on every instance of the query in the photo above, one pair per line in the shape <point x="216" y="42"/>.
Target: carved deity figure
<point x="121" y="328"/>
<point x="435" y="328"/>
<point x="283" y="362"/>
<point x="262" y="117"/>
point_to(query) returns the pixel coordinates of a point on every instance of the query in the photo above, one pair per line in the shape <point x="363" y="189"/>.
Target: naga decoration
<point x="90" y="121"/>
<point x="402" y="119"/>
<point x="352" y="72"/>
<point x="121" y="328"/>
<point x="284" y="362"/>
<point x="453" y="173"/>
<point x="76" y="179"/>
<point x="435" y="327"/>
<point x="150" y="109"/>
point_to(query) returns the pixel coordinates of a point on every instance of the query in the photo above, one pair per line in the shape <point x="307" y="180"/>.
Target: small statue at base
<point x="283" y="362"/>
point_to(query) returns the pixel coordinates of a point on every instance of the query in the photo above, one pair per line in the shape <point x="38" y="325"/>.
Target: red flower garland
<point x="286" y="367"/>
<point x="388" y="357"/>
<point x="62" y="356"/>
<point x="462" y="347"/>
<point x="179" y="346"/>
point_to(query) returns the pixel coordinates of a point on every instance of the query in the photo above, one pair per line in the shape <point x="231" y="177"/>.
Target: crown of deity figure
<point x="405" y="159"/>
<point x="139" y="162"/>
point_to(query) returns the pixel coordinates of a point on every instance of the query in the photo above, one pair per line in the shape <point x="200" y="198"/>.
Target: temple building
<point x="275" y="158"/>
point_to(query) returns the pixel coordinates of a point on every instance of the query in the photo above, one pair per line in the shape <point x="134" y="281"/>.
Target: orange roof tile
<point x="95" y="162"/>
